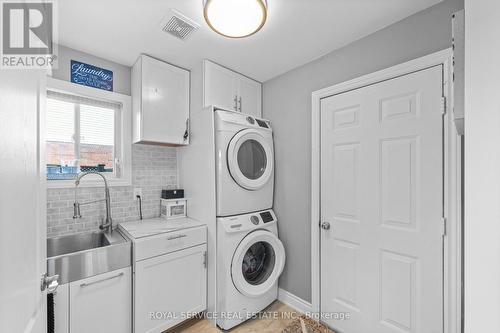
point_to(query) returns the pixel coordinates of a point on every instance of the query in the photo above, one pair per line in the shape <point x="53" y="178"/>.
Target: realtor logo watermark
<point x="28" y="34"/>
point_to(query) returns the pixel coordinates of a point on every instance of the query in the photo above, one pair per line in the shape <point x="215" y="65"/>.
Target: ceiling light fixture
<point x="235" y="18"/>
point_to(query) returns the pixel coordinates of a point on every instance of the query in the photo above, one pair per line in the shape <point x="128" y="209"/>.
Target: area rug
<point x="305" y="324"/>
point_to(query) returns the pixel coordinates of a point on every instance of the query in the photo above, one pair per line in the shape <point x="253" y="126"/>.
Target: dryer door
<point x="257" y="263"/>
<point x="250" y="159"/>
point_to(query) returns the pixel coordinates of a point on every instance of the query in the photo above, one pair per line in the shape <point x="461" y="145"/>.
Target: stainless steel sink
<point x="75" y="257"/>
<point x="57" y="246"/>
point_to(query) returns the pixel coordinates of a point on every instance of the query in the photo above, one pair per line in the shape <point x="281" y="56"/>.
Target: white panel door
<point x="382" y="193"/>
<point x="22" y="201"/>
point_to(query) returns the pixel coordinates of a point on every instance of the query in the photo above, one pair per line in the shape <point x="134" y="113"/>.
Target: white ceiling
<point x="297" y="31"/>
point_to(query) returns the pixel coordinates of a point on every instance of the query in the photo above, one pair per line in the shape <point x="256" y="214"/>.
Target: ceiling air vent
<point x="179" y="25"/>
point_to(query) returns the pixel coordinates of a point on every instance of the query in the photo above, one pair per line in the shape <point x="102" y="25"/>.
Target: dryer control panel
<point x="224" y="118"/>
<point x="247" y="222"/>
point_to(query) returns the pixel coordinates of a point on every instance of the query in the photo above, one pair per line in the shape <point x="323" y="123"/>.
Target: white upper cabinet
<point x="219" y="86"/>
<point x="160" y="97"/>
<point x="249" y="96"/>
<point x="230" y="90"/>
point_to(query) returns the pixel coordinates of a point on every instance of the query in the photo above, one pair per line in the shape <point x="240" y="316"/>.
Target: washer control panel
<point x="247" y="221"/>
<point x="266" y="217"/>
<point x="262" y="123"/>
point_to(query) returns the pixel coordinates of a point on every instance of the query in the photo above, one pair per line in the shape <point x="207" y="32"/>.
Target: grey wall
<point x="287" y="103"/>
<point x="121" y="73"/>
<point x="482" y="162"/>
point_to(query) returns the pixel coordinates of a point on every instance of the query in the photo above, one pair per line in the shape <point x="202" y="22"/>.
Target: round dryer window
<point x="257" y="263"/>
<point x="250" y="159"/>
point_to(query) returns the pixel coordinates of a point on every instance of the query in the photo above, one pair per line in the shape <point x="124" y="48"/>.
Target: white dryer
<point x="250" y="259"/>
<point x="245" y="163"/>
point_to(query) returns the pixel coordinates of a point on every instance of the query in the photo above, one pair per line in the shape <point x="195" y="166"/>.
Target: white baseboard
<point x="294" y="302"/>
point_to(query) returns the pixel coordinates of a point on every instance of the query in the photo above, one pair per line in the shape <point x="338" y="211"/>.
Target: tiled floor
<point x="284" y="313"/>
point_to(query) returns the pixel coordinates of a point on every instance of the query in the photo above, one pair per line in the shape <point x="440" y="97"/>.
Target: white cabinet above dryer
<point x="160" y="98"/>
<point x="230" y="90"/>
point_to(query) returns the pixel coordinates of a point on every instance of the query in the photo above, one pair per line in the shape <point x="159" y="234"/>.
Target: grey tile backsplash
<point x="153" y="168"/>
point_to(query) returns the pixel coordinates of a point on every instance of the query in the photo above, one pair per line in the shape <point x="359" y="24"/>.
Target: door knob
<point x="49" y="282"/>
<point x="325" y="225"/>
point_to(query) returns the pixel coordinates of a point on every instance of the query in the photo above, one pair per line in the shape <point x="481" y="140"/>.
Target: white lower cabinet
<point x="169" y="286"/>
<point x="101" y="303"/>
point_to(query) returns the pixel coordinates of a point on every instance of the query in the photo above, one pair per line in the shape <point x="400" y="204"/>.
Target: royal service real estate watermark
<point x="28" y="34"/>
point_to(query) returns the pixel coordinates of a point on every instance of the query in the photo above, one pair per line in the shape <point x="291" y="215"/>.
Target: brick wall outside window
<point x="91" y="155"/>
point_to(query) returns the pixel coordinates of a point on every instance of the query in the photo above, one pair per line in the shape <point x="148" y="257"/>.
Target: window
<point x="86" y="133"/>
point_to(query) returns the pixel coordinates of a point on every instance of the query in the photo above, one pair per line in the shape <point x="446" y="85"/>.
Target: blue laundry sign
<point x="91" y="76"/>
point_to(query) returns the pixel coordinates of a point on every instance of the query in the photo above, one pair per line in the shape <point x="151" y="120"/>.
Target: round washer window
<point x="252" y="159"/>
<point x="258" y="263"/>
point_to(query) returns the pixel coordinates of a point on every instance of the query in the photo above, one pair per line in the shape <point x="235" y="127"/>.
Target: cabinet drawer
<point x="169" y="242"/>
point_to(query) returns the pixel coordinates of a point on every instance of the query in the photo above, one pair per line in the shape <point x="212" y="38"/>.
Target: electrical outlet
<point x="137" y="192"/>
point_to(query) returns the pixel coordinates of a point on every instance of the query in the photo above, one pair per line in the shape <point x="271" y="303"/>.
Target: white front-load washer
<point x="244" y="163"/>
<point x="250" y="259"/>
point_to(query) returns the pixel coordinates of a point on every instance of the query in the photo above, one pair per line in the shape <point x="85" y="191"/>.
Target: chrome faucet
<point x="108" y="225"/>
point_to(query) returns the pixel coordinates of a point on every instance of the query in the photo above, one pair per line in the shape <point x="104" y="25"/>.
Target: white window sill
<point x="87" y="183"/>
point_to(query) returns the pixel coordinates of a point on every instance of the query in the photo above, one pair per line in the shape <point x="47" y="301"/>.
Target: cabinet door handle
<point x="235" y="102"/>
<point x="176" y="237"/>
<point x="83" y="285"/>
<point x="240" y="103"/>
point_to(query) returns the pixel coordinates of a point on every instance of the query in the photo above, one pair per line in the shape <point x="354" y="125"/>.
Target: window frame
<point x="123" y="132"/>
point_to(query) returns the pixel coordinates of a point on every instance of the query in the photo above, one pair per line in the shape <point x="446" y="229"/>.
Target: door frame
<point x="452" y="182"/>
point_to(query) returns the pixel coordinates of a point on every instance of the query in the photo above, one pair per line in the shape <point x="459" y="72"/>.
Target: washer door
<point x="250" y="159"/>
<point x="257" y="263"/>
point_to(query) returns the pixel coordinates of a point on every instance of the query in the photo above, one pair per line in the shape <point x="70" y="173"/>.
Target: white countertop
<point x="155" y="226"/>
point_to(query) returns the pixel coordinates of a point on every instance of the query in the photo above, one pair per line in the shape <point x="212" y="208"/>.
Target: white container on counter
<point x="173" y="208"/>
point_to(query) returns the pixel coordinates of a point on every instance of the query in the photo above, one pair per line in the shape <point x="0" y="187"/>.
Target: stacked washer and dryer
<point x="250" y="257"/>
